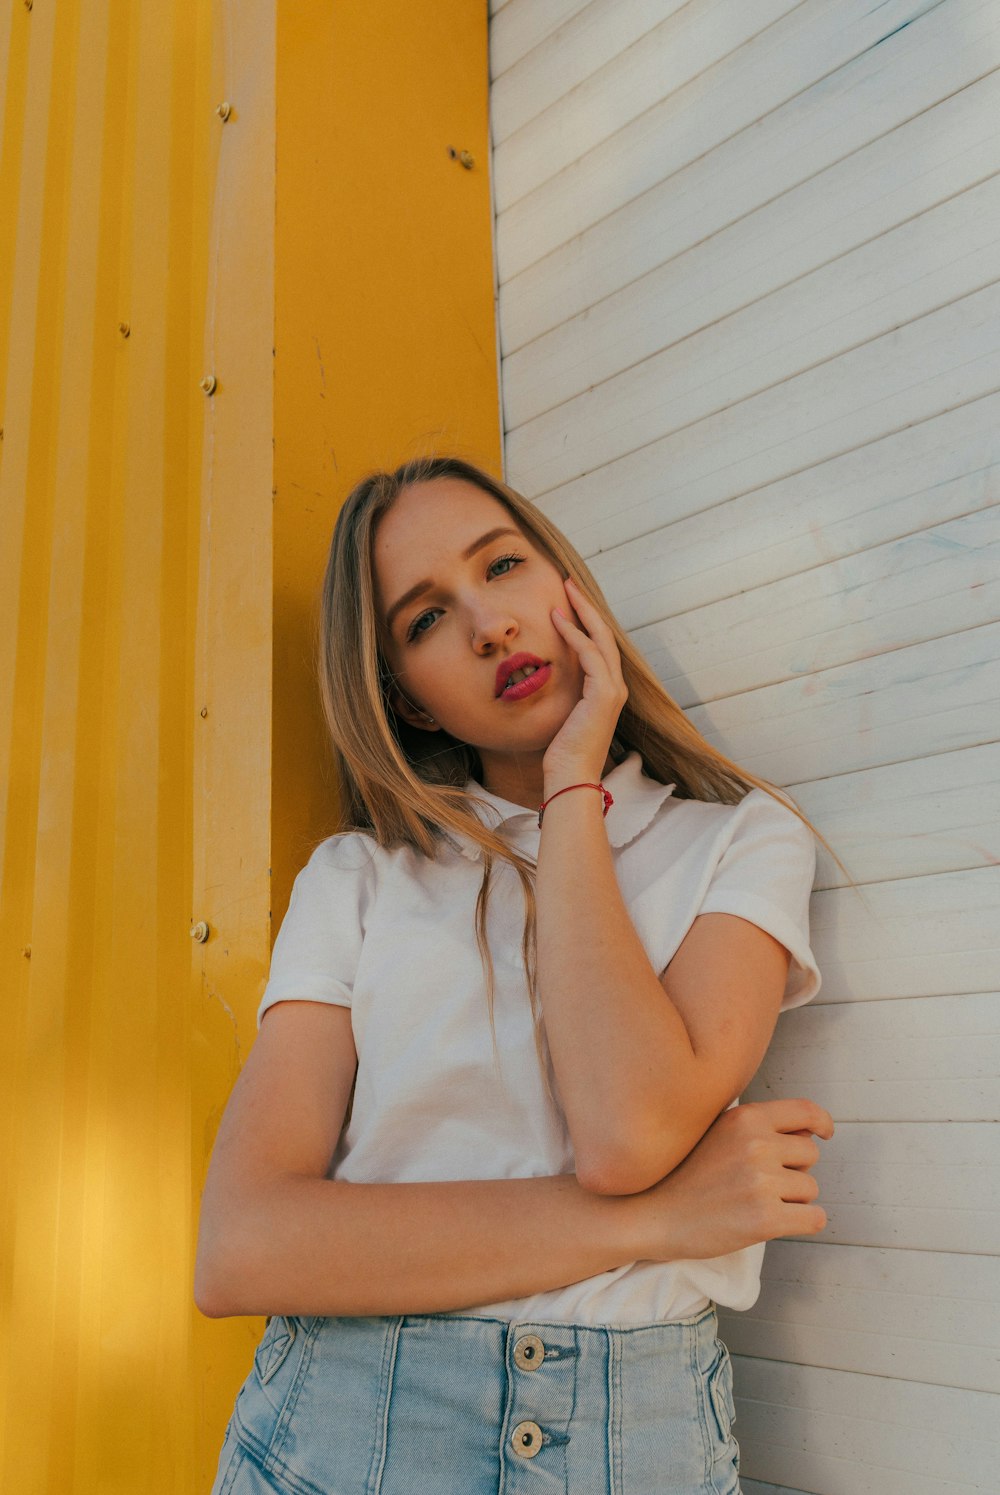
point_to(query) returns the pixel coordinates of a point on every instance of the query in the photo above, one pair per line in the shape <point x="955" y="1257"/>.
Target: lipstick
<point x="528" y="685"/>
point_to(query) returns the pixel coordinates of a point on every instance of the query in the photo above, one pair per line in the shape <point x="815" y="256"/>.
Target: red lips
<point x="513" y="662"/>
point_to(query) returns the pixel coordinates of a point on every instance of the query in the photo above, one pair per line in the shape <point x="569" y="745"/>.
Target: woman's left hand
<point x="580" y="747"/>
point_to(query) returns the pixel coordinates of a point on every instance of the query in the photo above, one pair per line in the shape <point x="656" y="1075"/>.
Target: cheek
<point x="434" y="680"/>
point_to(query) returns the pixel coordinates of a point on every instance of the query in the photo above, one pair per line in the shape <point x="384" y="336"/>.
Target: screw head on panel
<point x="208" y="384"/>
<point x="224" y="110"/>
<point x="199" y="931"/>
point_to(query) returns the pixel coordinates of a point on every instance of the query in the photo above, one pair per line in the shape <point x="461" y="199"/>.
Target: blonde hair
<point x="405" y="787"/>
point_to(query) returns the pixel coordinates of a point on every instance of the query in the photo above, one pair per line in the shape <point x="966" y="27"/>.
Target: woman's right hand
<point x="746" y="1181"/>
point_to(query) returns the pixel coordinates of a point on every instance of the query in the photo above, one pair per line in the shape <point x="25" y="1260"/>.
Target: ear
<point x="407" y="712"/>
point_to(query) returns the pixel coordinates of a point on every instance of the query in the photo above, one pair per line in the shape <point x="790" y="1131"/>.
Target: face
<point x="485" y="602"/>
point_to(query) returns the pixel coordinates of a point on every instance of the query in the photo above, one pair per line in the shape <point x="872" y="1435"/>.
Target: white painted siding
<point x="748" y="263"/>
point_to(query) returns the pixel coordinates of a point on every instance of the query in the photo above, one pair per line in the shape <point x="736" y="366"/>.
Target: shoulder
<point x="354" y="859"/>
<point x="765" y="846"/>
<point x="759" y="810"/>
<point x="346" y="851"/>
<point x="708" y="831"/>
<point x="756" y="810"/>
<point x="764" y="818"/>
<point x="340" y="865"/>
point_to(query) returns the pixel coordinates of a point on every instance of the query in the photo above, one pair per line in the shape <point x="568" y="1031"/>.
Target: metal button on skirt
<point x="442" y="1404"/>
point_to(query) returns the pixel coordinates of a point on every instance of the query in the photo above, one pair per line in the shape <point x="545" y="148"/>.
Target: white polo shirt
<point x="391" y="935"/>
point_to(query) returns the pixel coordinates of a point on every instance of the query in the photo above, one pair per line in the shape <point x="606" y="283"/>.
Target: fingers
<point x="584" y="645"/>
<point x="599" y="635"/>
<point x="796" y="1115"/>
<point x="803" y="1219"/>
<point x="583" y="605"/>
<point x="798" y="1150"/>
<point x="798" y="1187"/>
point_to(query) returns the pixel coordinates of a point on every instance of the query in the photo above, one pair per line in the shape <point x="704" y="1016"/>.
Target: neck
<point x="521" y="780"/>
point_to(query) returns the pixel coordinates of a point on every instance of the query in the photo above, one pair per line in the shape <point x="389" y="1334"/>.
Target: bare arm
<point x="644" y="1064"/>
<point x="644" y="1061"/>
<point x="277" y="1236"/>
<point x="326" y="1247"/>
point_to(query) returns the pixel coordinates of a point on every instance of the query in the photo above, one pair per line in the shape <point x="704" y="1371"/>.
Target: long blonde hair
<point x="405" y="787"/>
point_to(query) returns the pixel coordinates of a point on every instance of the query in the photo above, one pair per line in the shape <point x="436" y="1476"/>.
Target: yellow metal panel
<point x="230" y="786"/>
<point x="135" y="583"/>
<point x="141" y="250"/>
<point x="385" y="327"/>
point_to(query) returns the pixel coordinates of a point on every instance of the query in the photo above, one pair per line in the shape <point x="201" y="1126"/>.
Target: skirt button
<point x="527" y="1439"/>
<point x="529" y="1352"/>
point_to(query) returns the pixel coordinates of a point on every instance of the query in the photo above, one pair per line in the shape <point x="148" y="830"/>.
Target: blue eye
<point x="500" y="560"/>
<point x="414" y="631"/>
<point x="414" y="628"/>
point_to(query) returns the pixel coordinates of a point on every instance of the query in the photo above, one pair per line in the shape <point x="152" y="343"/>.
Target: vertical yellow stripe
<point x="140" y="733"/>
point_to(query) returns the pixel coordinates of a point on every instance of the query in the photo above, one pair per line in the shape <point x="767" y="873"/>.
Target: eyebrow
<point x="467" y="554"/>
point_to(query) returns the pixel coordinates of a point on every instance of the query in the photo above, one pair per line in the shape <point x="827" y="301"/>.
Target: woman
<point x="502" y="1273"/>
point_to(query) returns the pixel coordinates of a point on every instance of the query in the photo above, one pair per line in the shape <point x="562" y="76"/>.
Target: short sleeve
<point x="318" y="947"/>
<point x="765" y="875"/>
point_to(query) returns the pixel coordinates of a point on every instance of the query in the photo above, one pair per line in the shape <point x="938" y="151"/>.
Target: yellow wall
<point x="159" y="741"/>
<point x="385" y="329"/>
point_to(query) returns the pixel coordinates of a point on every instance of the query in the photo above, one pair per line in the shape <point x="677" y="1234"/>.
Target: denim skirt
<point x="448" y="1404"/>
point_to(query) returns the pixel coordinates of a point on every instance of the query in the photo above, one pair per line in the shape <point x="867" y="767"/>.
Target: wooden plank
<point x="914" y="937"/>
<point x="744" y="124"/>
<point x="773" y="355"/>
<point x="578" y="41"/>
<point x="517" y="27"/>
<point x="839" y="312"/>
<point x="807" y="1428"/>
<point x="738" y="317"/>
<point x="907" y="591"/>
<point x="616" y="484"/>
<point x="910" y="1315"/>
<point x="939" y="813"/>
<point x="861" y="715"/>
<point x="915" y="1059"/>
<point x="678" y="236"/>
<point x="923" y="475"/>
<point x="924" y="1186"/>
<point x="754" y="1487"/>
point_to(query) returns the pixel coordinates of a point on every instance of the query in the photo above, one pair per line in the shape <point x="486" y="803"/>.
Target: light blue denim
<point x="442" y="1404"/>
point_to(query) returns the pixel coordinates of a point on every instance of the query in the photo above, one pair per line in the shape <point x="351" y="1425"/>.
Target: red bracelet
<point x="608" y="801"/>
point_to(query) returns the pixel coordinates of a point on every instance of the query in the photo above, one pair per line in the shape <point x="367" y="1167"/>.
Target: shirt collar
<point x="636" y="800"/>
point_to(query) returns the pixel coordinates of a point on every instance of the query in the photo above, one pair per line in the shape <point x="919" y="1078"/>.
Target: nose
<point x="489" y="627"/>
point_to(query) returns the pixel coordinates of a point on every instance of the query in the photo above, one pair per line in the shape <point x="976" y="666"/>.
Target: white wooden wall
<point x="748" y="262"/>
